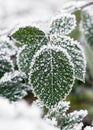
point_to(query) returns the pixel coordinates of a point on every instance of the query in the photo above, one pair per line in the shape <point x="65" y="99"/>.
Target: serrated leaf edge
<point x="18" y="55"/>
<point x="7" y="58"/>
<point x="33" y="61"/>
<point x="80" y="47"/>
<point x="22" y="26"/>
<point x="62" y="15"/>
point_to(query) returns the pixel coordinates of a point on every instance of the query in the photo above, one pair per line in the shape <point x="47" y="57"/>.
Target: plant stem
<point x="86" y="5"/>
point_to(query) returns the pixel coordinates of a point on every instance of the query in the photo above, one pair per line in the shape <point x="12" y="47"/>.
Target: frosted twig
<point x="86" y="5"/>
<point x="81" y="7"/>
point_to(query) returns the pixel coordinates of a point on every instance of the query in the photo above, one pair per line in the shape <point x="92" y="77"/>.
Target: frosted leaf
<point x="6" y="65"/>
<point x="8" y="49"/>
<point x="76" y="52"/>
<point x="77" y="126"/>
<point x="59" y="110"/>
<point x="77" y="116"/>
<point x="28" y="35"/>
<point x="26" y="53"/>
<point x="87" y="25"/>
<point x="12" y="86"/>
<point x="63" y="24"/>
<point x="70" y="121"/>
<point x="51" y="74"/>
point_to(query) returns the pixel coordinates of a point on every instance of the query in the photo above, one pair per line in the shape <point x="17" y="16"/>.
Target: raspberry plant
<point x="51" y="61"/>
<point x="48" y="65"/>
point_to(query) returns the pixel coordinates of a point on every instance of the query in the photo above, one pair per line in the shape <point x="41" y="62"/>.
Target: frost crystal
<point x="76" y="52"/>
<point x="62" y="24"/>
<point x="77" y="126"/>
<point x="8" y="49"/>
<point x="12" y="86"/>
<point x="26" y="53"/>
<point x="72" y="121"/>
<point x="87" y="25"/>
<point x="51" y="74"/>
<point x="28" y="35"/>
<point x="58" y="110"/>
<point x="77" y="115"/>
<point x="6" y="65"/>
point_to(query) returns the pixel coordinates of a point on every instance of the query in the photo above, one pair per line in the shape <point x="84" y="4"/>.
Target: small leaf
<point x="63" y="24"/>
<point x="6" y="65"/>
<point x="70" y="121"/>
<point x="76" y="52"/>
<point x="87" y="25"/>
<point x="28" y="35"/>
<point x="11" y="86"/>
<point x="26" y="53"/>
<point x="51" y="75"/>
<point x="59" y="110"/>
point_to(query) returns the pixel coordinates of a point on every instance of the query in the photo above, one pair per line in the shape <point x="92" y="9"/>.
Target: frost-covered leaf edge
<point x="14" y="47"/>
<point x="15" y="77"/>
<point x="18" y="55"/>
<point x="23" y="26"/>
<point x="33" y="61"/>
<point x="82" y="50"/>
<point x="8" y="59"/>
<point x="58" y="17"/>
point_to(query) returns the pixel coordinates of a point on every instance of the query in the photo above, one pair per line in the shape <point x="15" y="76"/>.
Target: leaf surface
<point x="76" y="52"/>
<point x="12" y="86"/>
<point x="51" y="75"/>
<point x="6" y="65"/>
<point x="87" y="25"/>
<point x="28" y="35"/>
<point x="62" y="24"/>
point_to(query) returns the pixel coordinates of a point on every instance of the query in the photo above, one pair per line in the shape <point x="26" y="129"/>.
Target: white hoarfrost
<point x="6" y="64"/>
<point x="11" y="75"/>
<point x="78" y="115"/>
<point x="49" y="67"/>
<point x="78" y="126"/>
<point x="73" y="120"/>
<point x="59" y="109"/>
<point x="62" y="24"/>
<point x="76" y="51"/>
<point x="7" y="48"/>
<point x="18" y="56"/>
<point x="21" y="116"/>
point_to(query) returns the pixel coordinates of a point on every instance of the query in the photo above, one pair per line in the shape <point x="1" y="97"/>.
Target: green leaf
<point x="63" y="24"/>
<point x="25" y="55"/>
<point x="76" y="52"/>
<point x="87" y="25"/>
<point x="12" y="86"/>
<point x="28" y="35"/>
<point x="6" y="65"/>
<point x="51" y="75"/>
